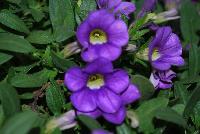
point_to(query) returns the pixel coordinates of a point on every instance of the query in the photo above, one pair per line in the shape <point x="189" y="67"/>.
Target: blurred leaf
<point x="14" y="43"/>
<point x="194" y="61"/>
<point x="139" y="34"/>
<point x="26" y="96"/>
<point x="124" y="129"/>
<point x="21" y="123"/>
<point x="193" y="99"/>
<point x="179" y="108"/>
<point x="196" y="115"/>
<point x="4" y="57"/>
<point x="146" y="112"/>
<point x="145" y="86"/>
<point x="40" y="37"/>
<point x="60" y="63"/>
<point x="62" y="19"/>
<point x="181" y="92"/>
<point x="25" y="69"/>
<point x="89" y="122"/>
<point x="12" y="21"/>
<point x="37" y="14"/>
<point x="168" y="114"/>
<point x="31" y="80"/>
<point x="86" y="7"/>
<point x="9" y="99"/>
<point x="190" y="21"/>
<point x="55" y="98"/>
<point x="2" y="116"/>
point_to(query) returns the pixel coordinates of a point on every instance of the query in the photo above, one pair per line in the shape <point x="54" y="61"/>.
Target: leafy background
<point x="34" y="35"/>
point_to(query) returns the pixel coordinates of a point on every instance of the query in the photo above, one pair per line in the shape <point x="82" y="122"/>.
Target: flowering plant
<point x="99" y="66"/>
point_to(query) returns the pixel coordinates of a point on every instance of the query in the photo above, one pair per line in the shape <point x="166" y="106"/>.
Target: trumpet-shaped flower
<point x="98" y="89"/>
<point x="101" y="35"/>
<point x="165" y="50"/>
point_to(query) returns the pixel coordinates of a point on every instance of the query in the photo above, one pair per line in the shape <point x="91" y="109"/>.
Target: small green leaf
<point x="170" y="115"/>
<point x="62" y="19"/>
<point x="9" y="99"/>
<point x="12" y="21"/>
<point x="181" y="92"/>
<point x="145" y="86"/>
<point x="40" y="37"/>
<point x="21" y="123"/>
<point x="60" y="63"/>
<point x="192" y="101"/>
<point x="26" y="96"/>
<point x="194" y="61"/>
<point x="89" y="122"/>
<point x="4" y="57"/>
<point x="146" y="112"/>
<point x="15" y="43"/>
<point x="30" y="80"/>
<point x="55" y="98"/>
<point x="124" y="129"/>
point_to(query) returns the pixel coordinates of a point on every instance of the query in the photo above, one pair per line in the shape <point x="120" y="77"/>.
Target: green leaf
<point x="193" y="99"/>
<point x="170" y="115"/>
<point x="40" y="37"/>
<point x="26" y="96"/>
<point x="12" y="21"/>
<point x="62" y="19"/>
<point x="21" y="123"/>
<point x="89" y="122"/>
<point x="2" y="116"/>
<point x="181" y="92"/>
<point x="31" y="80"/>
<point x="60" y="63"/>
<point x="145" y="86"/>
<point x="9" y="99"/>
<point x="87" y="6"/>
<point x="37" y="14"/>
<point x="146" y="112"/>
<point x="55" y="98"/>
<point x="196" y="115"/>
<point x="194" y="61"/>
<point x="14" y="1"/>
<point x="190" y="21"/>
<point x="124" y="129"/>
<point x="14" y="43"/>
<point x="4" y="57"/>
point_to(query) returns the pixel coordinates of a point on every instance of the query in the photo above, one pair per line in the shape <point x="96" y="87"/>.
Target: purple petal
<point x="109" y="52"/>
<point x="161" y="65"/>
<point x="116" y="118"/>
<point x="108" y="4"/>
<point x="89" y="54"/>
<point x="125" y="8"/>
<point x="75" y="79"/>
<point x="164" y="85"/>
<point x="108" y="101"/>
<point x="131" y="94"/>
<point x="84" y="100"/>
<point x="82" y="33"/>
<point x="113" y="3"/>
<point x="97" y="19"/>
<point x="100" y="65"/>
<point x="94" y="114"/>
<point x="117" y="81"/>
<point x="99" y="131"/>
<point x="178" y="60"/>
<point x="118" y="33"/>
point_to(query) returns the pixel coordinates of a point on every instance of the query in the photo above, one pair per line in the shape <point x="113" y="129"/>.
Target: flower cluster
<point x="164" y="51"/>
<point x="99" y="89"/>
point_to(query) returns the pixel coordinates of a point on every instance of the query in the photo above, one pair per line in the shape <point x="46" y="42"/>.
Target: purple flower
<point x="147" y="7"/>
<point x="162" y="79"/>
<point x="101" y="35"/>
<point x="98" y="89"/>
<point x="117" y="7"/>
<point x="165" y="50"/>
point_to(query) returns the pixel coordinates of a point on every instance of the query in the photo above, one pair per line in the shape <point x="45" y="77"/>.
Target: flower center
<point x="155" y="54"/>
<point x="98" y="37"/>
<point x="95" y="81"/>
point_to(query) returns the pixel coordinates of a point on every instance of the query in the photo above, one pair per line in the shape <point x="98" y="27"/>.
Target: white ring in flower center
<point x="98" y="37"/>
<point x="155" y="55"/>
<point x="95" y="81"/>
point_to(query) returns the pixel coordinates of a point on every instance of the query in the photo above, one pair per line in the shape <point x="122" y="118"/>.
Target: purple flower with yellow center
<point x="117" y="7"/>
<point x="162" y="79"/>
<point x="165" y="50"/>
<point x="101" y="35"/>
<point x="98" y="89"/>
